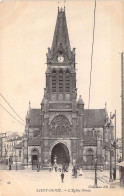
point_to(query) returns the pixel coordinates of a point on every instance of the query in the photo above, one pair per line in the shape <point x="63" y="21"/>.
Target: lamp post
<point x="110" y="180"/>
<point x="110" y="148"/>
<point x="110" y="139"/>
<point x="114" y="144"/>
<point x="95" y="165"/>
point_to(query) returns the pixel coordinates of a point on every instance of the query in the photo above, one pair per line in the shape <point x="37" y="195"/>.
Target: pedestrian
<point x="38" y="167"/>
<point x="55" y="168"/>
<point x="80" y="172"/>
<point x="9" y="166"/>
<point x="62" y="176"/>
<point x="114" y="173"/>
<point x="101" y="168"/>
<point x="50" y="168"/>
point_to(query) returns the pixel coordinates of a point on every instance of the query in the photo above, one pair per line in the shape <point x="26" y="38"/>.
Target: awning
<point x="121" y="164"/>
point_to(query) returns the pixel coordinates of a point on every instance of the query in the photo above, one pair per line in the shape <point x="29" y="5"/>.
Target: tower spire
<point x="61" y="36"/>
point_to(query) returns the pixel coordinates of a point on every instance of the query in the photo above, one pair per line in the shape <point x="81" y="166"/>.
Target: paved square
<point x="33" y="183"/>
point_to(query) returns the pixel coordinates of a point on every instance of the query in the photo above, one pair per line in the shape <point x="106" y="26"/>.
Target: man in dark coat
<point x="62" y="176"/>
<point x="114" y="174"/>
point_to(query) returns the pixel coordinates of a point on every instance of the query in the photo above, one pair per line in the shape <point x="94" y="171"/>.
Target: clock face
<point x="60" y="58"/>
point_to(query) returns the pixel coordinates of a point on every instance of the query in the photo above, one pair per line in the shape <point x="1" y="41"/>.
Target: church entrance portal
<point x="61" y="152"/>
<point x="34" y="162"/>
<point x="34" y="159"/>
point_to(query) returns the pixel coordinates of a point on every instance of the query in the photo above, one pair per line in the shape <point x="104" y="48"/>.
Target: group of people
<point x="64" y="168"/>
<point x="74" y="172"/>
<point x="113" y="172"/>
<point x="60" y="168"/>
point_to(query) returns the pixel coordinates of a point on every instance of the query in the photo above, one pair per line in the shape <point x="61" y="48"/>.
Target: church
<point x="62" y="128"/>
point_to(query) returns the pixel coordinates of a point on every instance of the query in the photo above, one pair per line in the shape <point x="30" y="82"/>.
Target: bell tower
<point x="61" y="124"/>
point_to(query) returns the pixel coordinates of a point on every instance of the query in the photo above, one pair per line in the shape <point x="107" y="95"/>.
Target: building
<point x="119" y="149"/>
<point x="8" y="144"/>
<point x="62" y="130"/>
<point x="3" y="151"/>
<point x="122" y="103"/>
<point x="12" y="142"/>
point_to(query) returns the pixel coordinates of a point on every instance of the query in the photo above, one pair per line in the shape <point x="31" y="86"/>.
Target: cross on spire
<point x="60" y="1"/>
<point x="64" y="2"/>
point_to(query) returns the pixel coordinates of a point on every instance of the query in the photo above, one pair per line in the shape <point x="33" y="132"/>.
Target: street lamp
<point x="95" y="165"/>
<point x="110" y="180"/>
<point x="114" y="145"/>
<point x="110" y="148"/>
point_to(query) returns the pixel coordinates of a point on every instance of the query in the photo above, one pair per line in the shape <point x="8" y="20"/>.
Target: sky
<point x="26" y="31"/>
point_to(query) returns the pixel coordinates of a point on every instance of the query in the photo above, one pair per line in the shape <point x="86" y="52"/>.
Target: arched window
<point x="67" y="81"/>
<point x="20" y="153"/>
<point x="91" y="133"/>
<point x="63" y="130"/>
<point x="67" y="129"/>
<point x="95" y="134"/>
<point x="58" y="130"/>
<point x="35" y="133"/>
<point x="53" y="131"/>
<point x="60" y="81"/>
<point x="54" y="81"/>
<point x="88" y="133"/>
<point x="35" y="151"/>
<point x="61" y="125"/>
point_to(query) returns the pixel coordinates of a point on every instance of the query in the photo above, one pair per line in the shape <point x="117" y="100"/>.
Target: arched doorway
<point x="61" y="151"/>
<point x="34" y="159"/>
<point x="90" y="157"/>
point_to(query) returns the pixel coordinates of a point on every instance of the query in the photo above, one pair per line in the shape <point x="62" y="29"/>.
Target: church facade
<point x="62" y="127"/>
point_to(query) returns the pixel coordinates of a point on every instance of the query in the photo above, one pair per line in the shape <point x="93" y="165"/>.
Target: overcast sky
<point x="26" y="31"/>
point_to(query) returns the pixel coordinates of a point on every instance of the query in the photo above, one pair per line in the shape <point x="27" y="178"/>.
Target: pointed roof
<point x="35" y="117"/>
<point x="61" y="37"/>
<point x="80" y="100"/>
<point x="95" y="117"/>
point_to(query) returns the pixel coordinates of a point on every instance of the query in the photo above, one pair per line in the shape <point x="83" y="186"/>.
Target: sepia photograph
<point x="61" y="97"/>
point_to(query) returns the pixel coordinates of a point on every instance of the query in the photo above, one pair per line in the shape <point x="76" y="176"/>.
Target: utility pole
<point x="122" y="101"/>
<point x="95" y="183"/>
<point x="110" y="180"/>
<point x="110" y="140"/>
<point x="115" y="145"/>
<point x="121" y="168"/>
<point x="95" y="165"/>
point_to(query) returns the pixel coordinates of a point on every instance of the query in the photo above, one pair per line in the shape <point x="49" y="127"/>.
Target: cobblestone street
<point x="24" y="183"/>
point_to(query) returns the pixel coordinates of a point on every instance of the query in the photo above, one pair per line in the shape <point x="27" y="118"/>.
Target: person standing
<point x="38" y="167"/>
<point x="114" y="174"/>
<point x="9" y="166"/>
<point x="62" y="176"/>
<point x="101" y="168"/>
